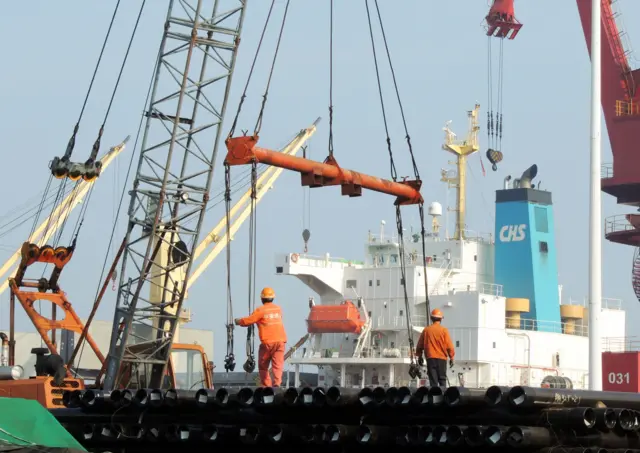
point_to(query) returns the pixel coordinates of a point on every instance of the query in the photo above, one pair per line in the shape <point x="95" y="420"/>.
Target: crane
<point x="621" y="108"/>
<point x="179" y="148"/>
<point x="60" y="213"/>
<point x="501" y="23"/>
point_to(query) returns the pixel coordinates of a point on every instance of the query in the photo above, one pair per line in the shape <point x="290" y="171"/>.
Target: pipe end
<point x="452" y="396"/>
<point x="493" y="395"/>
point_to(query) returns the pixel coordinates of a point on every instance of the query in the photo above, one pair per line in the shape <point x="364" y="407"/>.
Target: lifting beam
<point x="243" y="151"/>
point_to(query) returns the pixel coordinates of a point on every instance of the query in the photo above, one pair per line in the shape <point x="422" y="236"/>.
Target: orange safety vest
<point x="269" y="320"/>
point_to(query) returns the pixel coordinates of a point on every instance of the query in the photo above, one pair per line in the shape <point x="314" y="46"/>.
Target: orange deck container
<point x="343" y="318"/>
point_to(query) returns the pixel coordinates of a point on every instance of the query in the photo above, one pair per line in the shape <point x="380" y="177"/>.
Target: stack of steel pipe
<point x="457" y="417"/>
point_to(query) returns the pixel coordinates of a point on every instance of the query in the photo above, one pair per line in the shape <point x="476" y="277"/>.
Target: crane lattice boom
<point x="179" y="148"/>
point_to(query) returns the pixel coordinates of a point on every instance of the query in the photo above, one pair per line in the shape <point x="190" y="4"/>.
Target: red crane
<point x="621" y="107"/>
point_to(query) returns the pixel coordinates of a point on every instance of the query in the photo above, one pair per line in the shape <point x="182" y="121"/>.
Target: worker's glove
<point x="450" y="363"/>
<point x="237" y="321"/>
<point x="421" y="361"/>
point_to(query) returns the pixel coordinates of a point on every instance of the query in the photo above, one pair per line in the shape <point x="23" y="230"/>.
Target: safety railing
<point x="491" y="289"/>
<point x="606" y="170"/>
<point x="627" y="108"/>
<point x="621" y="344"/>
<point x="549" y="326"/>
<point x="617" y="223"/>
<point x="608" y="303"/>
<point x="378" y="352"/>
<point x="414" y="238"/>
<point x="321" y="261"/>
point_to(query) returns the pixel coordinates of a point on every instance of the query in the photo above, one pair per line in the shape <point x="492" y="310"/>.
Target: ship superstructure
<point x="499" y="294"/>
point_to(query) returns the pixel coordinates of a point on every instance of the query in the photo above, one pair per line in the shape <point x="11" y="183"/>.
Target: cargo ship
<point x="499" y="292"/>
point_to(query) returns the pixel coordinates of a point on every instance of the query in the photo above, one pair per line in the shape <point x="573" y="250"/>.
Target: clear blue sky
<point x="439" y="50"/>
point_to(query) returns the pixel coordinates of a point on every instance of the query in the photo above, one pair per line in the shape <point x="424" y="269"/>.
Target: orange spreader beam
<point x="243" y="151"/>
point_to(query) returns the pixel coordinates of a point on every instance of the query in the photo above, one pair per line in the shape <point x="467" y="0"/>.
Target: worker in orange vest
<point x="436" y="344"/>
<point x="272" y="337"/>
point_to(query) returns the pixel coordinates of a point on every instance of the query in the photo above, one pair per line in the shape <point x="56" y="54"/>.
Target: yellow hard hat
<point x="268" y="293"/>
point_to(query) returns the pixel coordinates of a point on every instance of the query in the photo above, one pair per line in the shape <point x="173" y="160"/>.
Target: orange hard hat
<point x="268" y="293"/>
<point x="436" y="313"/>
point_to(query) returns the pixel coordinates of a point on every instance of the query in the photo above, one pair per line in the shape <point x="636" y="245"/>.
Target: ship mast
<point x="462" y="149"/>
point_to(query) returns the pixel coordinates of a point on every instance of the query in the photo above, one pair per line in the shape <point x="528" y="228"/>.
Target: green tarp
<point x="25" y="424"/>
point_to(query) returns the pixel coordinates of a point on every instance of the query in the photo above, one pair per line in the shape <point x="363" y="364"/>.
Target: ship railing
<point x="392" y="239"/>
<point x="477" y="236"/>
<point x="617" y="223"/>
<point x="608" y="303"/>
<point x="621" y="344"/>
<point x="627" y="108"/>
<point x="492" y="289"/>
<point x="322" y="260"/>
<point x="606" y="170"/>
<point x="401" y="352"/>
<point x="548" y="326"/>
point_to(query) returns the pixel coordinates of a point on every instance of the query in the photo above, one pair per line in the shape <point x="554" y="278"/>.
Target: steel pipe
<point x="420" y="396"/>
<point x="95" y="398"/>
<point x="473" y="436"/>
<point x="305" y="396"/>
<point x="436" y="396"/>
<point x="526" y="436"/>
<point x="497" y="395"/>
<point x="625" y="419"/>
<point x="270" y="396"/>
<point x="153" y="433"/>
<point x="494" y="436"/>
<point x="577" y="417"/>
<point x="606" y="418"/>
<point x="277" y="434"/>
<point x="440" y="435"/>
<point x="132" y="432"/>
<point x="374" y="435"/>
<point x="335" y="434"/>
<point x="307" y="433"/>
<point x="290" y="397"/>
<point x="107" y="432"/>
<point x="319" y="434"/>
<point x="420" y="435"/>
<point x="243" y="150"/>
<point x="610" y="440"/>
<point x="521" y="396"/>
<point x="337" y="396"/>
<point x="210" y="433"/>
<point x="72" y="399"/>
<point x="122" y="398"/>
<point x="148" y="397"/>
<point x="90" y="431"/>
<point x="205" y="397"/>
<point x="398" y="396"/>
<point x="319" y="396"/>
<point x="244" y="397"/>
<point x="180" y="397"/>
<point x="455" y="435"/>
<point x="402" y="436"/>
<point x="250" y="435"/>
<point x="459" y="396"/>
